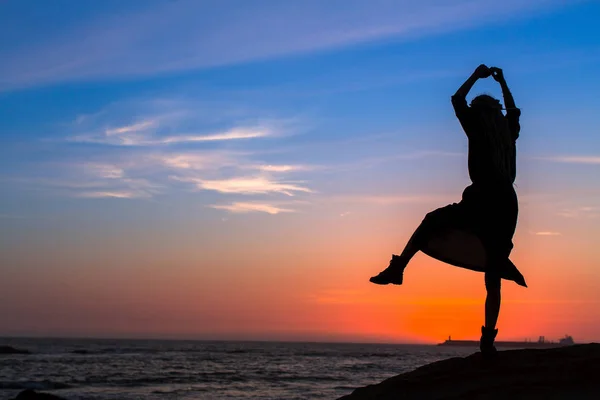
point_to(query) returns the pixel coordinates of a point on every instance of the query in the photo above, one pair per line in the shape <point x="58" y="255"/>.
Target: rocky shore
<point x="12" y="350"/>
<point x="33" y="395"/>
<point x="571" y="372"/>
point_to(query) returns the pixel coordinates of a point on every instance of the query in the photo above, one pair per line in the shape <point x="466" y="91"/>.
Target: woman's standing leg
<point x="504" y="215"/>
<point x="493" y="299"/>
<point x="492" y="309"/>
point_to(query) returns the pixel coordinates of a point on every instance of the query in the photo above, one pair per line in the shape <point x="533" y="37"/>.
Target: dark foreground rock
<point x="562" y="373"/>
<point x="12" y="350"/>
<point x="33" y="395"/>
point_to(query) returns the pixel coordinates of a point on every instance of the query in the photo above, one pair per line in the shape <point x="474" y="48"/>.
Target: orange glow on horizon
<point x="299" y="286"/>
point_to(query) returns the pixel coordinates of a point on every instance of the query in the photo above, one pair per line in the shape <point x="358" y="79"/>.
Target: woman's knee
<point x="492" y="281"/>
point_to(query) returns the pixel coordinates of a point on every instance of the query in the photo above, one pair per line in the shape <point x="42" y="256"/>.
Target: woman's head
<point x="486" y="103"/>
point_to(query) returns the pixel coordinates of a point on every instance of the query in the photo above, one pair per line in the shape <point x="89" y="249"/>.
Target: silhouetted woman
<point x="477" y="232"/>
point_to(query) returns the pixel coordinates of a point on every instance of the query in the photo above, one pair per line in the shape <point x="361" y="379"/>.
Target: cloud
<point x="580" y="212"/>
<point x="122" y="188"/>
<point x="215" y="159"/>
<point x="129" y="136"/>
<point x="572" y="159"/>
<point x="233" y="134"/>
<point x="104" y="171"/>
<point x="151" y="38"/>
<point x="170" y="121"/>
<point x="97" y="180"/>
<point x="147" y="162"/>
<point x="281" y="168"/>
<point x="547" y="233"/>
<point x="140" y="126"/>
<point x="113" y="194"/>
<point x="207" y="160"/>
<point x="245" y="185"/>
<point x="241" y="207"/>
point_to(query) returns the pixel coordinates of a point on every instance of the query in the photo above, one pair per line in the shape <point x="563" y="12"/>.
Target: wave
<point x="142" y="350"/>
<point x="173" y="392"/>
<point x="34" y="385"/>
<point x="215" y="378"/>
<point x="115" y="350"/>
<point x="361" y="367"/>
<point x="374" y="355"/>
<point x="302" y="378"/>
<point x="196" y="378"/>
<point x="239" y="351"/>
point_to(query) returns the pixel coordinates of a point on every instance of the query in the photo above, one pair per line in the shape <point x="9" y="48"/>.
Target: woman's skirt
<point x="476" y="233"/>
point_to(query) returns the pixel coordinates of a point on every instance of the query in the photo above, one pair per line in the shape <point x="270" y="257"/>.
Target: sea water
<point x="155" y="369"/>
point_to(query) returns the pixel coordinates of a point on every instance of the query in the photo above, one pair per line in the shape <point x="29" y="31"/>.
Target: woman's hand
<point x="482" y="71"/>
<point x="497" y="74"/>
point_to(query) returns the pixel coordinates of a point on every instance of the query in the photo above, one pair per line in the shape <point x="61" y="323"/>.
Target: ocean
<point x="160" y="369"/>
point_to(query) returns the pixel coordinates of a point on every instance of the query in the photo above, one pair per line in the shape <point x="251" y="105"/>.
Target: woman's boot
<point x="486" y="345"/>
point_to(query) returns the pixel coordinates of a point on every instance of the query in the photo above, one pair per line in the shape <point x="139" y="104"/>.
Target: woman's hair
<point x="496" y="132"/>
<point x="486" y="101"/>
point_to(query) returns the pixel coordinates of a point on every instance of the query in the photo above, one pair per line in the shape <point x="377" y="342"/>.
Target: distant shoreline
<point x="457" y="343"/>
<point x="475" y="343"/>
<point x="541" y="343"/>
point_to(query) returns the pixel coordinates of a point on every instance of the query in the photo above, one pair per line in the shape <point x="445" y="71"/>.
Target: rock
<point x="33" y="395"/>
<point x="571" y="372"/>
<point x="12" y="350"/>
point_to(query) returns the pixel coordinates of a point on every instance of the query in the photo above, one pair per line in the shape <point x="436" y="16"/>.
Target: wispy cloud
<point x="140" y="126"/>
<point x="97" y="180"/>
<point x="246" y="185"/>
<point x="167" y="121"/>
<point x="84" y="187"/>
<point x="281" y="168"/>
<point x="207" y="34"/>
<point x="547" y="233"/>
<point x="580" y="212"/>
<point x="148" y="162"/>
<point x="206" y="160"/>
<point x="128" y="136"/>
<point x="104" y="171"/>
<point x="241" y="207"/>
<point x="237" y="133"/>
<point x="113" y="194"/>
<point x="572" y="159"/>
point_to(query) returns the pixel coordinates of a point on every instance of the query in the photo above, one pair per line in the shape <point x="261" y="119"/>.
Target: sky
<point x="239" y="169"/>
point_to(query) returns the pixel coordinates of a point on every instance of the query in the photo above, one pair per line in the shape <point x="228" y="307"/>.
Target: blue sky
<point x="149" y="115"/>
<point x="163" y="98"/>
<point x="300" y="75"/>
